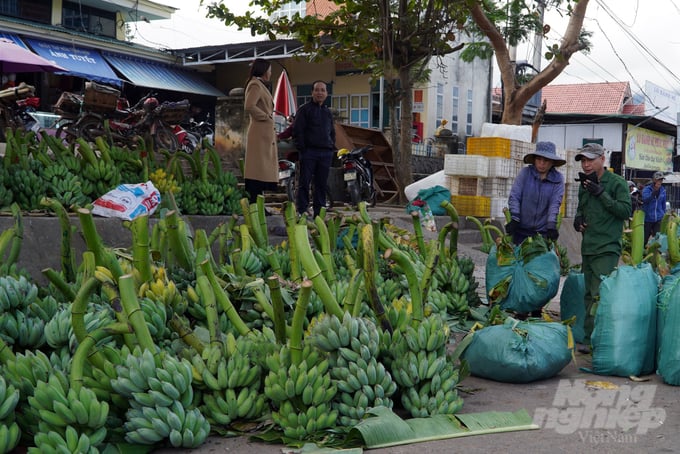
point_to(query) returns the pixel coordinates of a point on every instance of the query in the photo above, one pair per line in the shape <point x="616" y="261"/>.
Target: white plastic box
<point x="466" y="165"/>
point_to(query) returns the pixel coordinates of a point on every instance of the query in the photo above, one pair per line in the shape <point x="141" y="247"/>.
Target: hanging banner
<point x="649" y="150"/>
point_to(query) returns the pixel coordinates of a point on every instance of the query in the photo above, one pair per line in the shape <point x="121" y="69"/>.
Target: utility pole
<point x="538" y="37"/>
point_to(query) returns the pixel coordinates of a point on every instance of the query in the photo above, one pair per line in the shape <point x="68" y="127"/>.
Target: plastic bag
<point x="572" y="305"/>
<point x="425" y="213"/>
<point x="624" y="335"/>
<point x="668" y="329"/>
<point x="128" y="201"/>
<point x="519" y="352"/>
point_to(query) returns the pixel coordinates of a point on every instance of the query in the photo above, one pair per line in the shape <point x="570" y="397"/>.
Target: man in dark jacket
<point x="603" y="206"/>
<point x="314" y="134"/>
<point x="654" y="205"/>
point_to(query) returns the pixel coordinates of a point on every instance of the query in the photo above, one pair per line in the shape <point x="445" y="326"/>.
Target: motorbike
<point x="358" y="175"/>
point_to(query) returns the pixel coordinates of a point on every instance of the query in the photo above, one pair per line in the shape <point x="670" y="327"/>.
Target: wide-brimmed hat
<point x="545" y="150"/>
<point x="590" y="151"/>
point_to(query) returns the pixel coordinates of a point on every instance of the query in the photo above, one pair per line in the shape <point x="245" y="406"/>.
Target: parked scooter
<point x="358" y="175"/>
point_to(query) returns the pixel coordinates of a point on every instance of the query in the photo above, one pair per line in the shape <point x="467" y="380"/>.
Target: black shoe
<point x="583" y="348"/>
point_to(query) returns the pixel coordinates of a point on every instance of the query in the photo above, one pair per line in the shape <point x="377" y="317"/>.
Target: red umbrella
<point x="284" y="99"/>
<point x="16" y="59"/>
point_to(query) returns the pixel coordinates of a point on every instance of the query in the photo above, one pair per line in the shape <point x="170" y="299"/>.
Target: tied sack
<point x="128" y="201"/>
<point x="519" y="352"/>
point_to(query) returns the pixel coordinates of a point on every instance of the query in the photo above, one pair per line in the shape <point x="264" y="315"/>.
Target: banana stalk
<point x="637" y="237"/>
<point x="262" y="222"/>
<point x="274" y="263"/>
<point x="432" y="259"/>
<point x="17" y="238"/>
<point x="103" y="256"/>
<point x="673" y="247"/>
<point x="184" y="332"/>
<point x="135" y="315"/>
<point x="453" y="214"/>
<point x="179" y="244"/>
<point x="487" y="241"/>
<point x="60" y="283"/>
<point x="326" y="251"/>
<point x="299" y="317"/>
<point x="290" y="217"/>
<point x="404" y="262"/>
<point x="311" y="267"/>
<point x="441" y="239"/>
<point x="84" y="349"/>
<point x="277" y="305"/>
<point x="369" y="260"/>
<point x="204" y="289"/>
<point x="203" y="249"/>
<point x="223" y="299"/>
<point x="110" y="290"/>
<point x="352" y="300"/>
<point x="141" y="256"/>
<point x="418" y="230"/>
<point x="79" y="307"/>
<point x="67" y="259"/>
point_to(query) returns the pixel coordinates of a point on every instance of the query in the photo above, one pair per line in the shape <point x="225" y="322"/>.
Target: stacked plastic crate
<point x="570" y="171"/>
<point x="480" y="181"/>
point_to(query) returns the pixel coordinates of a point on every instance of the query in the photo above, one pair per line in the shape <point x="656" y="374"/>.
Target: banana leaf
<point x="383" y="428"/>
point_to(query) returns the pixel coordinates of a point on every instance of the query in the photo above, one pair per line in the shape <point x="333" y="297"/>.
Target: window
<point x="341" y="105"/>
<point x="290" y="9"/>
<point x="87" y="19"/>
<point x="454" y="110"/>
<point x="440" y="103"/>
<point x="468" y="125"/>
<point x="32" y="10"/>
<point x="359" y="114"/>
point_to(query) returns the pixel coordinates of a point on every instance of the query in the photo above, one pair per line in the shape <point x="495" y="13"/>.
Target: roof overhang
<point x="646" y="121"/>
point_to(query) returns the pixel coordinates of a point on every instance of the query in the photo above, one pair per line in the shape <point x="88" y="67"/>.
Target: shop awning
<point x="14" y="38"/>
<point x="80" y="62"/>
<point x="145" y="73"/>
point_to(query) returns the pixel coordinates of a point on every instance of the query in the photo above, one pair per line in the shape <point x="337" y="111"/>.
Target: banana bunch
<point x="58" y="330"/>
<point x="302" y="393"/>
<point x="467" y="267"/>
<point x="250" y="263"/>
<point x="156" y="317"/>
<point x="423" y="370"/>
<point x="10" y="435"/>
<point x="148" y="385"/>
<point x="25" y="370"/>
<point x="164" y="182"/>
<point x="399" y="313"/>
<point x="22" y="331"/>
<point x="9" y="429"/>
<point x="187" y="200"/>
<point x="70" y="441"/>
<point x="60" y="407"/>
<point x="103" y="174"/>
<point x="181" y="427"/>
<point x="163" y="291"/>
<point x="6" y="196"/>
<point x="28" y="186"/>
<point x="210" y="197"/>
<point x="232" y="192"/>
<point x="64" y="185"/>
<point x="16" y="293"/>
<point x="388" y="289"/>
<point x="362" y="381"/>
<point x="437" y="302"/>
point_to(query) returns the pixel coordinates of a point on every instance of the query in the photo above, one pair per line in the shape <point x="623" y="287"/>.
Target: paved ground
<point x="584" y="418"/>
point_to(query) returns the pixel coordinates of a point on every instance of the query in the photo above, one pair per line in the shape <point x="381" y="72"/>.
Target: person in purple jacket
<point x="536" y="195"/>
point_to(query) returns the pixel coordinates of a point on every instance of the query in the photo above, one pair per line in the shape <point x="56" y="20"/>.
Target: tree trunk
<point x="402" y="157"/>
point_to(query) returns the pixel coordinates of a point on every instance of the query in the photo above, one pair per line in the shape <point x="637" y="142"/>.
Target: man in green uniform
<point x="603" y="206"/>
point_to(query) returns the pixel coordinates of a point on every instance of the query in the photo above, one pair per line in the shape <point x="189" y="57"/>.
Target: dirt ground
<point x="574" y="412"/>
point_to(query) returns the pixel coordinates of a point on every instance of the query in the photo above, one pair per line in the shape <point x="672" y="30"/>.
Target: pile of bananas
<point x="150" y="386"/>
<point x="22" y="313"/>
<point x="27" y="185"/>
<point x="60" y="407"/>
<point x="353" y="346"/>
<point x="70" y="441"/>
<point x="103" y="176"/>
<point x="453" y="278"/>
<point x="301" y="393"/>
<point x="162" y="291"/>
<point x="9" y="429"/>
<point x="210" y="197"/>
<point x="59" y="330"/>
<point x="164" y="182"/>
<point x="233" y="385"/>
<point x="6" y="196"/>
<point x="64" y="185"/>
<point x="421" y="367"/>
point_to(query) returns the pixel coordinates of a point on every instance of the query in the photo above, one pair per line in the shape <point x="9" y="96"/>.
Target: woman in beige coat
<point x="261" y="161"/>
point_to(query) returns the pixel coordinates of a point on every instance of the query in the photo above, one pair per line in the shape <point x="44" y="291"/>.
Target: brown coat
<point x="261" y="161"/>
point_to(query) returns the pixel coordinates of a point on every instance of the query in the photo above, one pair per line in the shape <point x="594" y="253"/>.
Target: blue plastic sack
<point x="624" y="335"/>
<point x="532" y="285"/>
<point x="571" y="303"/>
<point x="519" y="352"/>
<point x="668" y="330"/>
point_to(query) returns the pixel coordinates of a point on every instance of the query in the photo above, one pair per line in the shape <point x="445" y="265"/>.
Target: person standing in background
<point x="654" y="205"/>
<point x="536" y="195"/>
<point x="603" y="206"/>
<point x="635" y="196"/>
<point x="314" y="134"/>
<point x="261" y="171"/>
